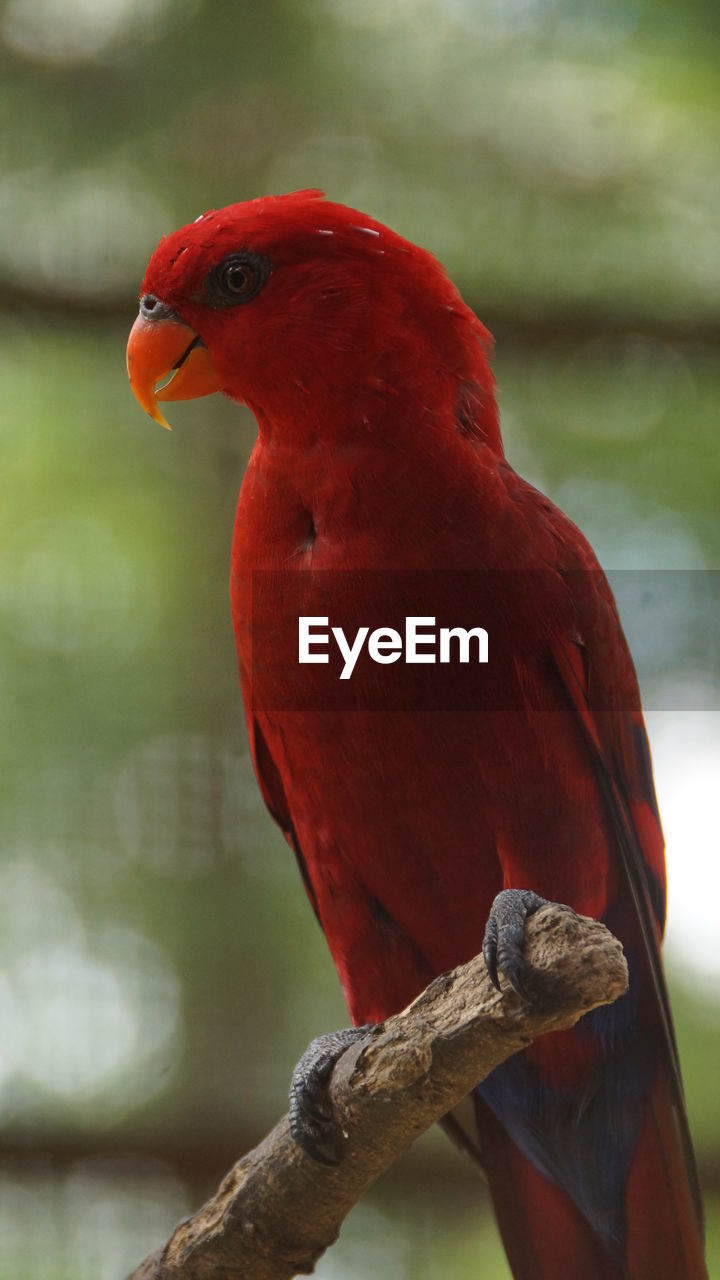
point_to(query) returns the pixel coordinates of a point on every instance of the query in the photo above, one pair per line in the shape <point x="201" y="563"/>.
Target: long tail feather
<point x="663" y="1241"/>
<point x="545" y="1235"/>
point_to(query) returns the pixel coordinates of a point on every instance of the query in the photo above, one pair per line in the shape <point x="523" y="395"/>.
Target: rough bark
<point x="277" y="1210"/>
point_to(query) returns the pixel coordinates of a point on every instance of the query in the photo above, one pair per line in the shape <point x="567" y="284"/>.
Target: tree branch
<point x="277" y="1210"/>
<point x="523" y="325"/>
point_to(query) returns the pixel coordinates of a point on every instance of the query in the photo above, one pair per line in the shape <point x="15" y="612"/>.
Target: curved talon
<point x="503" y="942"/>
<point x="312" y="1123"/>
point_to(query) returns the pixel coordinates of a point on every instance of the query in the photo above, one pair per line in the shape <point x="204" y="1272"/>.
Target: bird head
<point x="294" y="299"/>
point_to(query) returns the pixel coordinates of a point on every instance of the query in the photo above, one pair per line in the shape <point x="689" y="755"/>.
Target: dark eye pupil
<point x="238" y="279"/>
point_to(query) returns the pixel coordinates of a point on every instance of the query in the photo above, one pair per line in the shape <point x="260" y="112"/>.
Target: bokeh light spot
<point x="69" y="30"/>
<point x="686" y="758"/>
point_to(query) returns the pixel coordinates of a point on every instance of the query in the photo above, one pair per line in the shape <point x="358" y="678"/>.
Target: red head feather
<point x="346" y="308"/>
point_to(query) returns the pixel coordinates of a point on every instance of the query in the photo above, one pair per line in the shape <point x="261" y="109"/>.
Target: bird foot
<point x="504" y="932"/>
<point x="312" y="1123"/>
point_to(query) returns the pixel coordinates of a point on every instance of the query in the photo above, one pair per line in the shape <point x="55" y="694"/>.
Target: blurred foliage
<point x="160" y="969"/>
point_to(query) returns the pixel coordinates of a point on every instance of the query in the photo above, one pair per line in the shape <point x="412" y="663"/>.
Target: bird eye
<point x="237" y="279"/>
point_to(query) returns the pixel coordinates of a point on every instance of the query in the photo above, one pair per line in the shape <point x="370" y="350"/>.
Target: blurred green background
<point x="160" y="969"/>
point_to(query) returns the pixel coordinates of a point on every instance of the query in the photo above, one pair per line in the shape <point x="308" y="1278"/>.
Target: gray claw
<point x="504" y="933"/>
<point x="312" y="1123"/>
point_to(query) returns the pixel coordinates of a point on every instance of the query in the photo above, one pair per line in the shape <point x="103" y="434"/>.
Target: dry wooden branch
<point x="277" y="1210"/>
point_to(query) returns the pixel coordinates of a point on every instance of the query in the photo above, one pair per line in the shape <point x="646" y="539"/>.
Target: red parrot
<point x="414" y="794"/>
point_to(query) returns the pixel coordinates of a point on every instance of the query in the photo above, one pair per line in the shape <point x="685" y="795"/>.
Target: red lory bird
<point x="431" y="806"/>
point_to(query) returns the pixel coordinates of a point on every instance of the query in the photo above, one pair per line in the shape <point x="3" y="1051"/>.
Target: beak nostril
<point x="151" y="308"/>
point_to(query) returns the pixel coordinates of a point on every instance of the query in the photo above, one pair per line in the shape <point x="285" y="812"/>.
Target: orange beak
<point x="157" y="348"/>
